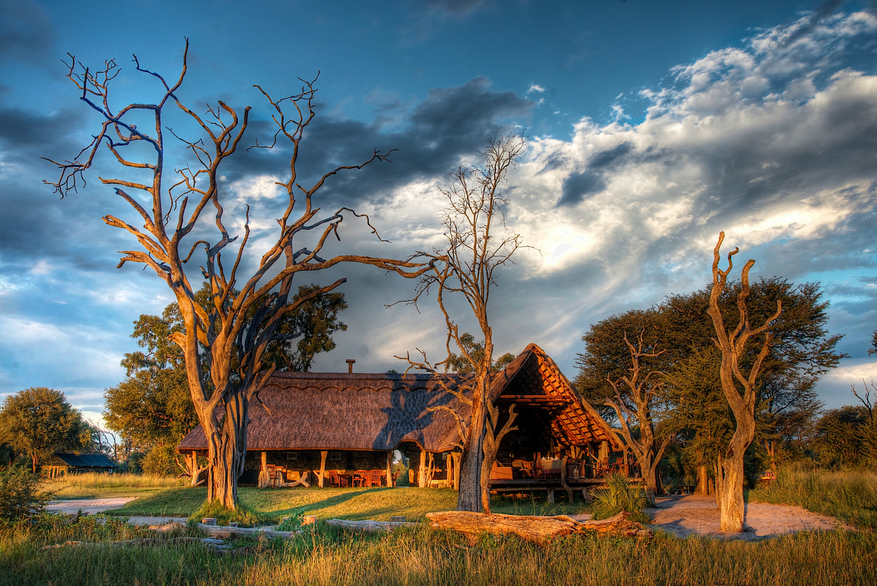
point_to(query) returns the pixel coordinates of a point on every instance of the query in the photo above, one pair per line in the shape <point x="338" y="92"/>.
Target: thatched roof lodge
<point x="337" y="423"/>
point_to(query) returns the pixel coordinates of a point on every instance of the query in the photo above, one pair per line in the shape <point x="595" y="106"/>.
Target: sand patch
<point x="699" y="515"/>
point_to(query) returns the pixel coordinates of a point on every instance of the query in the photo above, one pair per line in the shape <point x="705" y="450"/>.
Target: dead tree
<point x="232" y="330"/>
<point x="739" y="388"/>
<point x="467" y="266"/>
<point x="636" y="406"/>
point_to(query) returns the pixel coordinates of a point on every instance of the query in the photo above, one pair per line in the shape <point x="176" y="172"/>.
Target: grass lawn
<point x="378" y="504"/>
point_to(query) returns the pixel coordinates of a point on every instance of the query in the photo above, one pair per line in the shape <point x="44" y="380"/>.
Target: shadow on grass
<point x="180" y="502"/>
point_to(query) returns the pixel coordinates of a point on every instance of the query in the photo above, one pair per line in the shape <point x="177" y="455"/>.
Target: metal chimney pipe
<point x="350" y="362"/>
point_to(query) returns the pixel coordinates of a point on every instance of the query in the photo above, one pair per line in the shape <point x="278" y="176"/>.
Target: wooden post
<point x="421" y="470"/>
<point x="323" y="455"/>
<point x="563" y="480"/>
<point x="263" y="472"/>
<point x="430" y="469"/>
<point x="449" y="473"/>
<point x="390" y="468"/>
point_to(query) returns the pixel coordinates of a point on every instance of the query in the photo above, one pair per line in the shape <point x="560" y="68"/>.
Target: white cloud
<point x="255" y="187"/>
<point x="535" y="88"/>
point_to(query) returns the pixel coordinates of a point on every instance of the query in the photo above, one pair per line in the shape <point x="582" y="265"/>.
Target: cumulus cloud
<point x="26" y="31"/>
<point x="772" y="142"/>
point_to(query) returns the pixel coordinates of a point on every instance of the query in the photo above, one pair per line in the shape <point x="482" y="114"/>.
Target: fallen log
<point x="215" y="543"/>
<point x="225" y="532"/>
<point x="536" y="529"/>
<point x="370" y="526"/>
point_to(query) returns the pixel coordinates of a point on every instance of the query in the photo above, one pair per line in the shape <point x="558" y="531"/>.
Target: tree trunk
<point x="227" y="450"/>
<point x="470" y="494"/>
<point x="729" y="479"/>
<point x="702" y="477"/>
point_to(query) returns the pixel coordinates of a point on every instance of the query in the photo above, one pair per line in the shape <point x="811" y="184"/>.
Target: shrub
<point x="223" y="516"/>
<point x="20" y="496"/>
<point x="293" y="521"/>
<point x="619" y="495"/>
<point x="161" y="460"/>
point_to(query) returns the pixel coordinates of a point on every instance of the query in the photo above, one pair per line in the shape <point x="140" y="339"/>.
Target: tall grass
<point x="850" y="496"/>
<point x="326" y="556"/>
<point x="96" y="485"/>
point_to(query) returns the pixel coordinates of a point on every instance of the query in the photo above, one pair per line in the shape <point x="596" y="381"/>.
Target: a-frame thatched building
<point x="343" y="427"/>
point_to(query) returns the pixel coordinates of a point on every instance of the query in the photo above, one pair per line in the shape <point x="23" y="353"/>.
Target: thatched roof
<point x="86" y="460"/>
<point x="533" y="378"/>
<point x="353" y="411"/>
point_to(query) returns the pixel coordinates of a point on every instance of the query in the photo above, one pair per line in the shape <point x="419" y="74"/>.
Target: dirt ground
<point x="699" y="515"/>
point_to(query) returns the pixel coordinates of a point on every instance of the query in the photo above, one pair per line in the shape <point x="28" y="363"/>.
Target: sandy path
<point x="90" y="506"/>
<point x="699" y="515"/>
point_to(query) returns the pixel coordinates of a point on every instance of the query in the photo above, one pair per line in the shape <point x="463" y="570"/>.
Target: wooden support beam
<point x="390" y="468"/>
<point x="264" y="480"/>
<point x="323" y="455"/>
<point x="421" y="470"/>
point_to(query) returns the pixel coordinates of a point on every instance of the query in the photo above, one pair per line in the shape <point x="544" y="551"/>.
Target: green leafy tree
<point x="312" y="323"/>
<point x="39" y="421"/>
<point x="458" y="363"/>
<point x="840" y="436"/>
<point x="801" y="351"/>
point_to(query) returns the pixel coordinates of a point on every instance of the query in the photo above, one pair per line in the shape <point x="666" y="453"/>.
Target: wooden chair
<point x="336" y="479"/>
<point x="375" y="478"/>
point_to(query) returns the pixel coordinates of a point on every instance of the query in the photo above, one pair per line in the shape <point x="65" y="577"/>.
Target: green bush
<point x="223" y="516"/>
<point x="161" y="460"/>
<point x="20" y="497"/>
<point x="619" y="495"/>
<point x="292" y="521"/>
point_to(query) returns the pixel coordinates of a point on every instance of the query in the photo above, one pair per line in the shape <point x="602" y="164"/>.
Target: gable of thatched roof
<point x="353" y="411"/>
<point x="533" y="378"/>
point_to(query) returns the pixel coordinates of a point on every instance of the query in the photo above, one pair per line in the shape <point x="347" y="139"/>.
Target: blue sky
<point x="652" y="126"/>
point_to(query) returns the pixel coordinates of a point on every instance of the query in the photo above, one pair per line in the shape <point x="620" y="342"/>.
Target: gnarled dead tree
<point x="739" y="388"/>
<point x="467" y="266"/>
<point x="634" y="394"/>
<point x="232" y="330"/>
